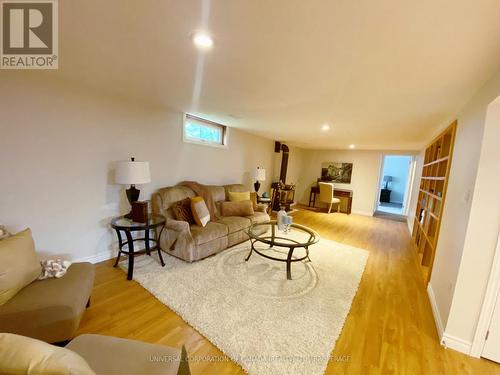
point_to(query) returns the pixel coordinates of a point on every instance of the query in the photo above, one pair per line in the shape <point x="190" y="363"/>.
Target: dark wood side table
<point x="312" y="195"/>
<point x="266" y="201"/>
<point x="122" y="224"/>
<point x="385" y="195"/>
<point x="337" y="193"/>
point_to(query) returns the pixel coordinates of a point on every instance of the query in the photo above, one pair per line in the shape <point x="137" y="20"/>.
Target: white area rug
<point x="267" y="324"/>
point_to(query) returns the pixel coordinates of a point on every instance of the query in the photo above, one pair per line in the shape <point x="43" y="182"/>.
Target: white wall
<point x="365" y="175"/>
<point x="398" y="167"/>
<point x="481" y="236"/>
<point x="58" y="145"/>
<point x="464" y="166"/>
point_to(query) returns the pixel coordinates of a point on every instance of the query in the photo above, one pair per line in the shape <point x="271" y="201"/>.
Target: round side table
<point x="121" y="224"/>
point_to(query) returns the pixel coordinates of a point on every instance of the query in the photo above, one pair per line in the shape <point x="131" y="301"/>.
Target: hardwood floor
<point x="390" y="328"/>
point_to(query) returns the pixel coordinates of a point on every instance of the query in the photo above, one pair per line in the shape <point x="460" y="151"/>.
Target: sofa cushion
<point x="19" y="265"/>
<point x="24" y="355"/>
<point x="236" y="238"/>
<point x="209" y="232"/>
<point x="241" y="208"/>
<point x="235" y="223"/>
<point x="113" y="355"/>
<point x="51" y="309"/>
<point x="259" y="217"/>
<point x="182" y="210"/>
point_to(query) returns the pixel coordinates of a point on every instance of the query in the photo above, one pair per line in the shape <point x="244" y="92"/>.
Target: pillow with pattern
<point x="182" y="211"/>
<point x="4" y="233"/>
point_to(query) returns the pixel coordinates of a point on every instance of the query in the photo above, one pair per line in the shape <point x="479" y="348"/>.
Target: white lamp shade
<point x="260" y="174"/>
<point x="132" y="173"/>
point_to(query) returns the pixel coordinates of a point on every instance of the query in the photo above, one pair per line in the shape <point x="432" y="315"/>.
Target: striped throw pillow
<point x="200" y="211"/>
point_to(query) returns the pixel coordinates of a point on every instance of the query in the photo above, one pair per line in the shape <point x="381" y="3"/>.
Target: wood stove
<point x="283" y="194"/>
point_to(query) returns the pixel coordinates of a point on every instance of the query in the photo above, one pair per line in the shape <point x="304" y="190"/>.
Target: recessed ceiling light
<point x="202" y="40"/>
<point x="325" y="127"/>
<point x="351" y="146"/>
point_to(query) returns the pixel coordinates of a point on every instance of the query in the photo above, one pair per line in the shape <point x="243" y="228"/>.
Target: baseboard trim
<point x="447" y="340"/>
<point x="455" y="343"/>
<point x="409" y="222"/>
<point x="96" y="258"/>
<point x="435" y="312"/>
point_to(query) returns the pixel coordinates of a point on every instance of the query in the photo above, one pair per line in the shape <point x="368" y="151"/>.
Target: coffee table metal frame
<point x="281" y="239"/>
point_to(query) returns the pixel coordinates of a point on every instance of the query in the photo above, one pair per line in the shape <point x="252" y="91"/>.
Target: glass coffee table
<point x="299" y="236"/>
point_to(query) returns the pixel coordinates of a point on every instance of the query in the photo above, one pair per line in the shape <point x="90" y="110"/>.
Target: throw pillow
<point x="235" y="196"/>
<point x="24" y="355"/>
<point x="4" y="233"/>
<point x="200" y="211"/>
<point x="19" y="265"/>
<point x="182" y="211"/>
<point x="241" y="208"/>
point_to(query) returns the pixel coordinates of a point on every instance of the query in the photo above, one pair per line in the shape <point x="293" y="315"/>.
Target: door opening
<point x="394" y="184"/>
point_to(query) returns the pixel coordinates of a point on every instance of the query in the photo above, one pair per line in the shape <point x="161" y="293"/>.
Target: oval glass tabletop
<point x="298" y="235"/>
<point x="122" y="222"/>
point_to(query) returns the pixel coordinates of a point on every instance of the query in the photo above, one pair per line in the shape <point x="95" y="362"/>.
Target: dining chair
<point x="326" y="195"/>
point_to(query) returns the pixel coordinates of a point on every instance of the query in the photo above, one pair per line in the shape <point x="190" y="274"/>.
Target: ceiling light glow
<point x="351" y="146"/>
<point x="325" y="127"/>
<point x="203" y="40"/>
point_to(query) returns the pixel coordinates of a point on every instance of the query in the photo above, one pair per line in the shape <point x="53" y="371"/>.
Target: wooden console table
<point x="337" y="193"/>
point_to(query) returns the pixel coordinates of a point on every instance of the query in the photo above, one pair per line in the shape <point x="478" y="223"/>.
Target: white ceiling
<point x="385" y="74"/>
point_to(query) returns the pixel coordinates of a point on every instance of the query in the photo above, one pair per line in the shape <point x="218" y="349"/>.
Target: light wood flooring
<point x="389" y="330"/>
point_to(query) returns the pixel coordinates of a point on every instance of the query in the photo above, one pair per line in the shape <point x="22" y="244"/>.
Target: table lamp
<point x="259" y="175"/>
<point x="387" y="179"/>
<point x="132" y="173"/>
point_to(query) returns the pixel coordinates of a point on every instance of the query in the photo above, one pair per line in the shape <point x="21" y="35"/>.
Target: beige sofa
<point x="194" y="242"/>
<point x="50" y="310"/>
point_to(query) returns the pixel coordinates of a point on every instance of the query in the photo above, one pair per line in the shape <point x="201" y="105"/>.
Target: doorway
<point x="394" y="185"/>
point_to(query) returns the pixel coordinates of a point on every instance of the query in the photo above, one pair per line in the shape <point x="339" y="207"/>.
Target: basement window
<point x="205" y="132"/>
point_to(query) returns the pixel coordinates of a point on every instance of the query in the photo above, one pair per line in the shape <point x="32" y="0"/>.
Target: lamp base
<point x="256" y="186"/>
<point x="132" y="196"/>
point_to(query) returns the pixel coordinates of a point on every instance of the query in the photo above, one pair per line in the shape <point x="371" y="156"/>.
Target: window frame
<point x="208" y="123"/>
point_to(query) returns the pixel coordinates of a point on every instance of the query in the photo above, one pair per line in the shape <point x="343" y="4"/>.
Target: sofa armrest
<point x="261" y="207"/>
<point x="177" y="240"/>
<point x="177" y="225"/>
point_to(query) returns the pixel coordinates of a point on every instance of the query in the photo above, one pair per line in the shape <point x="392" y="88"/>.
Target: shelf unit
<point x="431" y="198"/>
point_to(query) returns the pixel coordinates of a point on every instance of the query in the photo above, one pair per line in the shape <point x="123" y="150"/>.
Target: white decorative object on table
<point x="280" y="218"/>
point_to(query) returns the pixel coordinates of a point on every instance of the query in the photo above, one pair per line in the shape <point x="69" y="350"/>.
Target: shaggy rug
<point x="252" y="313"/>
